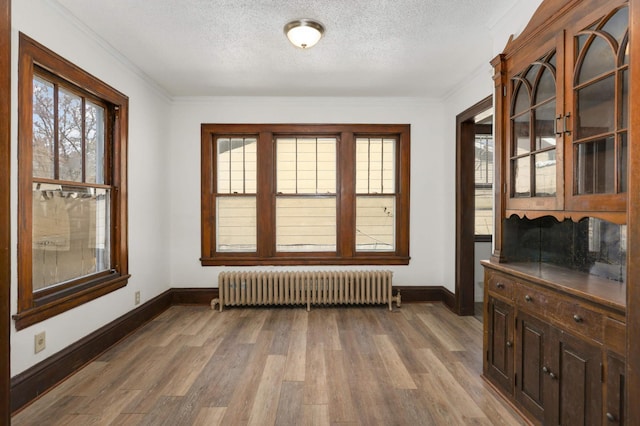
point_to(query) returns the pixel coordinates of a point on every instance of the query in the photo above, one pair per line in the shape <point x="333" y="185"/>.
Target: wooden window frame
<point x="266" y="254"/>
<point x="35" y="307"/>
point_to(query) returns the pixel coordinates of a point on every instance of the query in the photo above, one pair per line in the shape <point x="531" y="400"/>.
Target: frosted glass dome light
<point x="304" y="33"/>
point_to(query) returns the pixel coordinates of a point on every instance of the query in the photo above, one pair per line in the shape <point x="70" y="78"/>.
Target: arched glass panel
<point x="546" y="88"/>
<point x="599" y="59"/>
<point x="617" y="24"/>
<point x="522" y="99"/>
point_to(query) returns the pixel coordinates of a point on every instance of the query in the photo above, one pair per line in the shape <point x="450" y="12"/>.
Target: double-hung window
<point x="72" y="168"/>
<point x="305" y="194"/>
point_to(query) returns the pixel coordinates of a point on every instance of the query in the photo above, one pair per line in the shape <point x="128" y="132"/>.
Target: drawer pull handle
<point x="528" y="298"/>
<point x="553" y="376"/>
<point x="509" y="344"/>
<point x="545" y="370"/>
<point x="611" y="417"/>
<point x="577" y="318"/>
<point x="500" y="285"/>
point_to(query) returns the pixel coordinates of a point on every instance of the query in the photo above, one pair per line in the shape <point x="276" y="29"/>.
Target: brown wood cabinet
<point x="556" y="284"/>
<point x="551" y="346"/>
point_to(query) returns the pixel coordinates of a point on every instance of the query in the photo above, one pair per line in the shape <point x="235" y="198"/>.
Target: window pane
<point x="623" y="162"/>
<point x="522" y="99"/>
<point x="69" y="135"/>
<point x="375" y="223"/>
<point x="617" y="25"/>
<point x="94" y="119"/>
<point x="236" y="165"/>
<point x="624" y="119"/>
<point x="483" y="159"/>
<point x="375" y="165"/>
<point x="596" y="161"/>
<point x="70" y="233"/>
<point x="305" y="224"/>
<point x="236" y="225"/>
<point x="522" y="138"/>
<point x="546" y="88"/>
<point x="306" y="165"/>
<point x="544" y="126"/>
<point x="546" y="173"/>
<point x="522" y="176"/>
<point x="483" y="185"/>
<point x="596" y="108"/>
<point x="43" y="129"/>
<point x="484" y="211"/>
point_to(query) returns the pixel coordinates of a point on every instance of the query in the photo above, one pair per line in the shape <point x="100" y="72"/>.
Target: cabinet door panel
<point x="615" y="391"/>
<point x="532" y="358"/>
<point x="580" y="374"/>
<point x="500" y="351"/>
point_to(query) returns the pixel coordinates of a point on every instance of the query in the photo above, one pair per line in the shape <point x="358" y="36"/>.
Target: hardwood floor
<point x="418" y="365"/>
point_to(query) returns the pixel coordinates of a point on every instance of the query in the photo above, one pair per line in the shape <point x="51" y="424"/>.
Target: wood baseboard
<point x="427" y="294"/>
<point x="35" y="381"/>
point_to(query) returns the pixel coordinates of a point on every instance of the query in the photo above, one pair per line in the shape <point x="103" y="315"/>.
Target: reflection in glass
<point x="624" y="115"/>
<point x="305" y="224"/>
<point x="43" y="125"/>
<point x="545" y="178"/>
<point x="70" y="233"/>
<point x="375" y="223"/>
<point x="94" y="139"/>
<point x="596" y="167"/>
<point x="617" y="25"/>
<point x="546" y="88"/>
<point x="522" y="99"/>
<point x="596" y="108"/>
<point x="69" y="136"/>
<point x="599" y="59"/>
<point x="522" y="177"/>
<point x="623" y="162"/>
<point x="522" y="140"/>
<point x="544" y="126"/>
<point x="236" y="224"/>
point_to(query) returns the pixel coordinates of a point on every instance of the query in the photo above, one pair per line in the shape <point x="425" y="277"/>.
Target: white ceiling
<point x="237" y="47"/>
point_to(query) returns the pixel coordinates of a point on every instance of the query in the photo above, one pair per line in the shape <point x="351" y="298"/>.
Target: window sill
<point x="56" y="305"/>
<point x="385" y="259"/>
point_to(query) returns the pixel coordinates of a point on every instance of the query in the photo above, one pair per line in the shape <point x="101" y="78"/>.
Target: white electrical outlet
<point x="137" y="297"/>
<point x="40" y="342"/>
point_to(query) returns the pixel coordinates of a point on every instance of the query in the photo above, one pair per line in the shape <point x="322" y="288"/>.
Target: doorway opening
<point x="474" y="203"/>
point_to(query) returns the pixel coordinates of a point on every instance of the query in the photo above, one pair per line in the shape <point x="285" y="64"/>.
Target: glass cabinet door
<point x="533" y="150"/>
<point x="597" y="176"/>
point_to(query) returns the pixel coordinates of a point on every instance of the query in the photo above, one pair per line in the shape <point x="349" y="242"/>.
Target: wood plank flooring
<point x="418" y="365"/>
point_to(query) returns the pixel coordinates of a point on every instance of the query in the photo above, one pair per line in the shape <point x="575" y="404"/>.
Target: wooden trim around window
<point x="35" y="308"/>
<point x="345" y="253"/>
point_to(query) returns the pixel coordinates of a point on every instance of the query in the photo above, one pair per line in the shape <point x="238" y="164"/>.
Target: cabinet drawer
<point x="500" y="285"/>
<point x="566" y="313"/>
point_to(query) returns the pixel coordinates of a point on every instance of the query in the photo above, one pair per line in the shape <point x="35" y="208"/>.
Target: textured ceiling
<point x="237" y="47"/>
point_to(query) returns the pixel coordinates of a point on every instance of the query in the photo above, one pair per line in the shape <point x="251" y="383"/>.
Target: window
<point x="72" y="175"/>
<point x="305" y="194"/>
<point x="484" y="186"/>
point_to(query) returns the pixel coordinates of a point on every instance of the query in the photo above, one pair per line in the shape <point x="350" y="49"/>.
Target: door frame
<point x="5" y="210"/>
<point x="465" y="202"/>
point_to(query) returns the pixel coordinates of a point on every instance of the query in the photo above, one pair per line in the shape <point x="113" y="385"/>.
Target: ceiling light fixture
<point x="304" y="33"/>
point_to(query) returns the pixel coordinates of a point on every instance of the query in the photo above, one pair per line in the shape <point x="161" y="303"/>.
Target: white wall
<point x="428" y="171"/>
<point x="148" y="195"/>
<point x="164" y="169"/>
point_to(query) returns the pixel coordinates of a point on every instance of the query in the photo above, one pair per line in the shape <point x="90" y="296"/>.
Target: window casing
<point x="72" y="240"/>
<point x="286" y="194"/>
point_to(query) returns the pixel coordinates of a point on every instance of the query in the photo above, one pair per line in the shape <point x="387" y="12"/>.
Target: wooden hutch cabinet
<point x="555" y="287"/>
